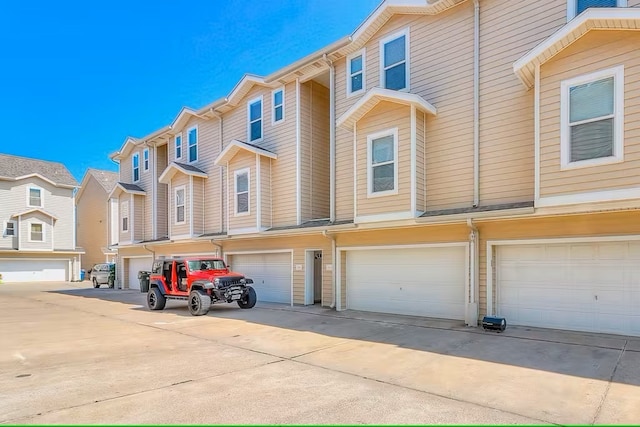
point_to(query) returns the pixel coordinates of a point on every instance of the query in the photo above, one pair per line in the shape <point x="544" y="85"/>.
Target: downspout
<point x="476" y="104"/>
<point x="332" y="140"/>
<point x="219" y="250"/>
<point x="333" y="267"/>
<point x="472" y="314"/>
<point x="153" y="253"/>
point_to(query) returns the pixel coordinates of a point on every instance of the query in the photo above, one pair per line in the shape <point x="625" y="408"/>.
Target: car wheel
<point x="95" y="283"/>
<point x="249" y="299"/>
<point x="155" y="299"/>
<point x="199" y="303"/>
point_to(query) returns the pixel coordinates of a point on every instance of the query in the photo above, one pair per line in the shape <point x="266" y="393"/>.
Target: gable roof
<point x="106" y="179"/>
<point x="14" y="168"/>
<point x="123" y="187"/>
<point x="175" y="167"/>
<point x="596" y="18"/>
<point x="235" y="146"/>
<point x="376" y="95"/>
<point x="42" y="211"/>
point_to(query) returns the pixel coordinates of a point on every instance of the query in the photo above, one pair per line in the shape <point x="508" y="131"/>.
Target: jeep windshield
<point x="206" y="264"/>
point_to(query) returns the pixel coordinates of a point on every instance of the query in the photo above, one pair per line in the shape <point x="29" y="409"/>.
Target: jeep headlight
<point x="216" y="282"/>
<point x="243" y="281"/>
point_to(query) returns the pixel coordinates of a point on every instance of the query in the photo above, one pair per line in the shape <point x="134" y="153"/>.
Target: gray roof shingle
<point x="106" y="179"/>
<point x="130" y="187"/>
<point x="15" y="166"/>
<point x="189" y="167"/>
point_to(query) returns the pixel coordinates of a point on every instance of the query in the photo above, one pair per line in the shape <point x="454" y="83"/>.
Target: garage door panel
<point x="136" y="265"/>
<point x="271" y="274"/>
<point x="421" y="281"/>
<point x="597" y="288"/>
<point x="21" y="270"/>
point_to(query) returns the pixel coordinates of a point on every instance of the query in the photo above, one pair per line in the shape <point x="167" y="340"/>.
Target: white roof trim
<point x="42" y="211"/>
<point x="234" y="146"/>
<point x="170" y="171"/>
<point x="377" y="95"/>
<point x="591" y="19"/>
<point x="120" y="189"/>
<point x="182" y="117"/>
<point x="36" y="175"/>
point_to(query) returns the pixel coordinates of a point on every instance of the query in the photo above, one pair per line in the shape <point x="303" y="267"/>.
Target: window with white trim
<point x="592" y="118"/>
<point x="356" y="73"/>
<point x="9" y="229"/>
<point x="242" y="191"/>
<point x="145" y="160"/>
<point x="394" y="61"/>
<point x="124" y="215"/>
<point x="179" y="197"/>
<point x="178" y="146"/>
<point x="254" y="117"/>
<point x="382" y="159"/>
<point x="576" y="7"/>
<point x="278" y="106"/>
<point x="135" y="162"/>
<point x="192" y="140"/>
<point x="36" y="232"/>
<point x="34" y="197"/>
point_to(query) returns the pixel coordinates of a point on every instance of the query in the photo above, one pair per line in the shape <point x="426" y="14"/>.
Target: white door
<point x="136" y="265"/>
<point x="591" y="287"/>
<point x="426" y="282"/>
<point x="271" y="274"/>
<point x="34" y="270"/>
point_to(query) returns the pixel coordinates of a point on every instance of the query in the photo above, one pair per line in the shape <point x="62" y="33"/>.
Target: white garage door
<point x="136" y="265"/>
<point x="584" y="286"/>
<point x="426" y="282"/>
<point x="271" y="274"/>
<point x="34" y="271"/>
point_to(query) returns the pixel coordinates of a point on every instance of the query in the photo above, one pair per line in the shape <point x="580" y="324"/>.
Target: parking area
<point x="73" y="354"/>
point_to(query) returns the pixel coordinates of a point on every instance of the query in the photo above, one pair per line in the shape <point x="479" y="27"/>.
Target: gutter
<point x="476" y="104"/>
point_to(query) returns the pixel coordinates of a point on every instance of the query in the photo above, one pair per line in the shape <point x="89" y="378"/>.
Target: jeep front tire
<point x="199" y="302"/>
<point x="249" y="298"/>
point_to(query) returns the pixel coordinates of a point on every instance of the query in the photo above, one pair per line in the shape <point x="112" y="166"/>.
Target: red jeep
<point x="201" y="281"/>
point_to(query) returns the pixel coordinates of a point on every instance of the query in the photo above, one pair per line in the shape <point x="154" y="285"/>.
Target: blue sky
<point x="78" y="77"/>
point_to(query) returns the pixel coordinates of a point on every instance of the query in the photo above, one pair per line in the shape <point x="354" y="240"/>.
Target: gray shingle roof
<point x="130" y="187"/>
<point x="15" y="166"/>
<point x="189" y="167"/>
<point x="107" y="179"/>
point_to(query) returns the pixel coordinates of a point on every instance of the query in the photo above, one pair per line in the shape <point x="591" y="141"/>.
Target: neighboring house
<point x="448" y="159"/>
<point x="97" y="217"/>
<point x="37" y="214"/>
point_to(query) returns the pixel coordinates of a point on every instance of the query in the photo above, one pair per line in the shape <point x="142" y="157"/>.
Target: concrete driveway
<point x="73" y="354"/>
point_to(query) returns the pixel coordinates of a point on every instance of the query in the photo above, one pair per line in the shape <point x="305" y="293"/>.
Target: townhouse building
<point x="450" y="159"/>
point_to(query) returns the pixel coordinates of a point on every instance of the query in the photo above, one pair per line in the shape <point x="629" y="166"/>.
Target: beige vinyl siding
<point x="25" y="231"/>
<point x="197" y="185"/>
<point x="509" y="29"/>
<point x="162" y="224"/>
<point x="314" y="151"/>
<point x="280" y="139"/>
<point x="344" y="174"/>
<point x="241" y="161"/>
<point x="146" y="183"/>
<point x="126" y="170"/>
<point x="598" y="224"/>
<point x="139" y="209"/>
<point x="598" y="50"/>
<point x="92" y="222"/>
<point x="61" y="204"/>
<point x="421" y="177"/>
<point x="124" y="236"/>
<point x="179" y="179"/>
<point x="299" y="245"/>
<point x="13" y="202"/>
<point x="385" y="116"/>
<point x="266" y="190"/>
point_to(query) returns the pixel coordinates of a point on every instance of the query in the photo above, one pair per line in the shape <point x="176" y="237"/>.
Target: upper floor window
<point x="382" y="157"/>
<point x="34" y="197"/>
<point x="255" y="119"/>
<point x="394" y="62"/>
<point x="278" y="106"/>
<point x="145" y="159"/>
<point x="180" y="203"/>
<point x="124" y="214"/>
<point x="355" y="72"/>
<point x="576" y="7"/>
<point x="242" y="191"/>
<point x="592" y="118"/>
<point x="178" y="142"/>
<point x="135" y="160"/>
<point x="192" y="137"/>
<point x="9" y="228"/>
<point x="36" y="232"/>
